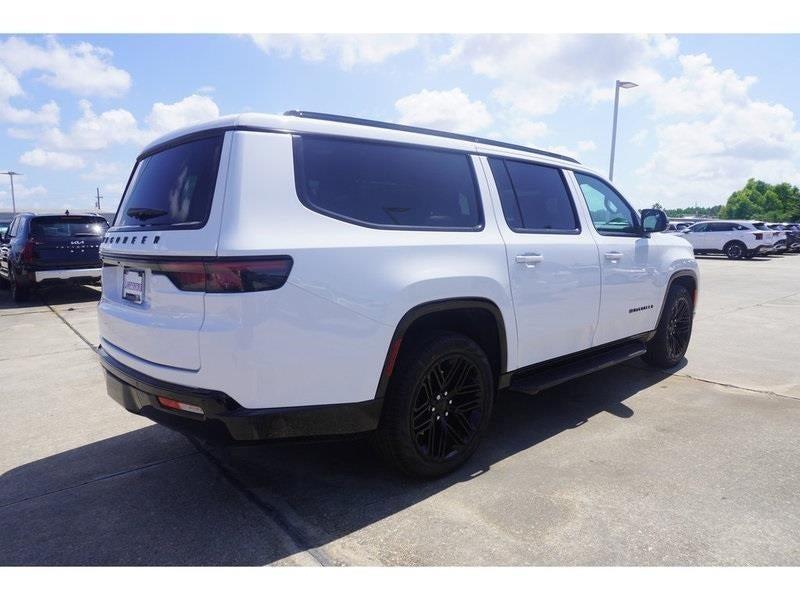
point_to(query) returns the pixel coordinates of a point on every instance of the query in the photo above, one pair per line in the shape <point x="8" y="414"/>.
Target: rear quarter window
<point x="388" y="186"/>
<point x="173" y="187"/>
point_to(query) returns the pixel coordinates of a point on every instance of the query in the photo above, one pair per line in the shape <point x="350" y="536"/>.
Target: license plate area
<point x="133" y="285"/>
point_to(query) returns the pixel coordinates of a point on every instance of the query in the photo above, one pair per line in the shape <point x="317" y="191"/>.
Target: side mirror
<point x="654" y="220"/>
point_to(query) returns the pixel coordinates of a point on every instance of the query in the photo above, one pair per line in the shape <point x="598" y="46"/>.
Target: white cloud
<point x="704" y="160"/>
<point x="451" y="110"/>
<point x="80" y="68"/>
<point x="639" y="138"/>
<point x="586" y="146"/>
<point x="102" y="170"/>
<point x="536" y="74"/>
<point x="701" y="88"/>
<point x="348" y="49"/>
<point x="21" y="192"/>
<point x="93" y="131"/>
<point x="51" y="160"/>
<point x="192" y="109"/>
<point x="711" y="136"/>
<point x="10" y="87"/>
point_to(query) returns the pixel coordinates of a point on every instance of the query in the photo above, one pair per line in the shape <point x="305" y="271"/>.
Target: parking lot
<point x="628" y="466"/>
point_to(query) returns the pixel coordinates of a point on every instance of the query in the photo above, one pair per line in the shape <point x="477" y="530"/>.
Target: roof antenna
<point x="66" y="212"/>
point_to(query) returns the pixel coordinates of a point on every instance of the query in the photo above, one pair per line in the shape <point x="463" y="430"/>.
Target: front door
<point x="633" y="287"/>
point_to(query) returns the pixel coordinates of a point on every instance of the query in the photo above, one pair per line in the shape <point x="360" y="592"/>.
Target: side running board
<point x="548" y="376"/>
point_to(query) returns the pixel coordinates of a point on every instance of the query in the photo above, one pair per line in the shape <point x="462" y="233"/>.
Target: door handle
<point x="613" y="256"/>
<point x="529" y="259"/>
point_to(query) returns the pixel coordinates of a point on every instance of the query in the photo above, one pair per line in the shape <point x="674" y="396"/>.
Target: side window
<point x="611" y="214"/>
<point x="387" y="185"/>
<point x="12" y="231"/>
<point x="534" y="197"/>
<point x="720" y="227"/>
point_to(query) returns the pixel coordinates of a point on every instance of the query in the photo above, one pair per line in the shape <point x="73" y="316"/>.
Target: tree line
<point x="757" y="200"/>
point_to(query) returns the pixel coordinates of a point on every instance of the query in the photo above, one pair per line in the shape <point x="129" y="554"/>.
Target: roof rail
<point x="456" y="136"/>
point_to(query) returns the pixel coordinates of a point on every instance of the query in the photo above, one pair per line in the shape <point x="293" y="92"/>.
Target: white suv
<point x="734" y="239"/>
<point x="307" y="274"/>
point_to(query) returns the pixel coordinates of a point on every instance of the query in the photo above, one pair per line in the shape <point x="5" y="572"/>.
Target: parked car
<point x="4" y="227"/>
<point x="734" y="239"/>
<point x="792" y="233"/>
<point x="306" y="274"/>
<point x="38" y="248"/>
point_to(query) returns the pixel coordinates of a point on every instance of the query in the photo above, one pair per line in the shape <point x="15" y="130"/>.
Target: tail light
<point x="759" y="236"/>
<point x="28" y="250"/>
<point x="227" y="275"/>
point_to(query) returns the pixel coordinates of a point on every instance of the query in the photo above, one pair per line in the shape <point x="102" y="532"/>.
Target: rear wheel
<point x="437" y="406"/>
<point x="735" y="250"/>
<point x="671" y="340"/>
<point x="19" y="292"/>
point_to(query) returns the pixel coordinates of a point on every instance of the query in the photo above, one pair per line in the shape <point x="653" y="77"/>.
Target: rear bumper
<point x="92" y="273"/>
<point x="223" y="419"/>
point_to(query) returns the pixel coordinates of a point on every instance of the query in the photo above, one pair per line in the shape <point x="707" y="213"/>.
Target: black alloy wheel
<point x="448" y="407"/>
<point x="437" y="405"/>
<point x="679" y="328"/>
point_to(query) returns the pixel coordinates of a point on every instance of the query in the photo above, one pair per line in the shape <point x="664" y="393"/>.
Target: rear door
<point x="168" y="220"/>
<point x="553" y="265"/>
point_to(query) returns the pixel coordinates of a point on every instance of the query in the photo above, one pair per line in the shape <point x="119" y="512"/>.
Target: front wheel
<point x="437" y="406"/>
<point x="674" y="331"/>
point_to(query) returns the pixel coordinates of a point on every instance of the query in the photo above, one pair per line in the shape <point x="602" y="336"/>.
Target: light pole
<point x="13" y="200"/>
<point x="620" y="84"/>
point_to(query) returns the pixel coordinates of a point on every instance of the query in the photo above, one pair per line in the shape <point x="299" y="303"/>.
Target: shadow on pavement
<point x="148" y="496"/>
<point x="52" y="294"/>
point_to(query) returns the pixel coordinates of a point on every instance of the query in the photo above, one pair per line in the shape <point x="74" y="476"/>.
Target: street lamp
<point x="620" y="84"/>
<point x="13" y="200"/>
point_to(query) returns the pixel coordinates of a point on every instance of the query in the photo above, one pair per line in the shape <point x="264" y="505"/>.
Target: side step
<point x="548" y="376"/>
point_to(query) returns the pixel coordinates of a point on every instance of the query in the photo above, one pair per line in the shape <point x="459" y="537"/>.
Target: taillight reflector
<point x="175" y="405"/>
<point x="225" y="275"/>
<point x="27" y="253"/>
<point x="759" y="236"/>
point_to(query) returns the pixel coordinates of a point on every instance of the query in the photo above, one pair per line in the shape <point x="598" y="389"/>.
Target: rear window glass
<point x="66" y="226"/>
<point x="386" y="185"/>
<point x="174" y="187"/>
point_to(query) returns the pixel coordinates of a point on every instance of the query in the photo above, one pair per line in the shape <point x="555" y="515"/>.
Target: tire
<point x="19" y="292"/>
<point x="428" y="427"/>
<point x="674" y="331"/>
<point x="735" y="250"/>
<point x="750" y="255"/>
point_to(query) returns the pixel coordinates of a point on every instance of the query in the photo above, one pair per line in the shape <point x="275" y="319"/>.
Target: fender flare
<point x="442" y="305"/>
<point x="672" y="278"/>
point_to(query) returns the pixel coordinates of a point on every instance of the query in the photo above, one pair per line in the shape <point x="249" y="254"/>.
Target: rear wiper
<point x="144" y="213"/>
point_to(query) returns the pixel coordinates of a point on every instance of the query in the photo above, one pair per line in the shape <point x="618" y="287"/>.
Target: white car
<point x="306" y="274"/>
<point x="734" y="239"/>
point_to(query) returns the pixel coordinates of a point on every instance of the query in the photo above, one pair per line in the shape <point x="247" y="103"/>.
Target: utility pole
<point x="619" y="84"/>
<point x="13" y="200"/>
<point x="99" y="197"/>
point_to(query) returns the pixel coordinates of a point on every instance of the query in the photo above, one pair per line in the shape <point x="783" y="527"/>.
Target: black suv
<point x="39" y="248"/>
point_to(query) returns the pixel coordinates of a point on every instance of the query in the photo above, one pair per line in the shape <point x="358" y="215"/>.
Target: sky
<point x="709" y="111"/>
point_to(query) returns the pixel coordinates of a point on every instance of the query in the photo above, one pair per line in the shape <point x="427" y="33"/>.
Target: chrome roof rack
<point x="397" y="127"/>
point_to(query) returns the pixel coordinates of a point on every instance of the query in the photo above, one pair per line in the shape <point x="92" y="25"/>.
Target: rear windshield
<point x="67" y="226"/>
<point x="172" y="188"/>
